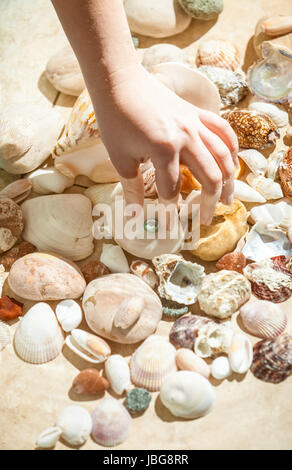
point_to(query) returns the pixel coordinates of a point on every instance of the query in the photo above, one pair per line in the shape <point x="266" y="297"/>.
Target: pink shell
<point x="263" y="319"/>
<point x="110" y="422"/>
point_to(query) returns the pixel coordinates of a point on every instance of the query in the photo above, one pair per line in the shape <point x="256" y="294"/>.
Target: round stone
<point x="202" y="9"/>
<point x="137" y="400"/>
<point x="151" y="225"/>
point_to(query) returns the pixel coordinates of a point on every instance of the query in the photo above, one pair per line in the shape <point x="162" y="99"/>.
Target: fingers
<point x="167" y="178"/>
<point x="133" y="189"/>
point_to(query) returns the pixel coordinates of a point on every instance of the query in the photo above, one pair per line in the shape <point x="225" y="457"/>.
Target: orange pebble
<point x="9" y="308"/>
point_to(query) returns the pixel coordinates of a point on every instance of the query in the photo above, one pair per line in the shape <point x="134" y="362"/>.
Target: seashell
<point x="3" y="277"/>
<point x="234" y="261"/>
<point x="118" y="373"/>
<point x="272" y="359"/>
<point x="152" y="362"/>
<point x="11" y="224"/>
<point x="289" y="132"/>
<point x="240" y="354"/>
<point x="69" y="314"/>
<point x="218" y="53"/>
<point x="76" y="425"/>
<point x="160" y="53"/>
<point x="110" y="423"/>
<point x="6" y="179"/>
<point x="268" y="188"/>
<point x="185" y="330"/>
<point x="213" y="338"/>
<point x="278" y="116"/>
<point x="70" y="234"/>
<point x="254" y="130"/>
<point x="4" y="335"/>
<point x="42" y="276"/>
<point x="88" y="346"/>
<point x="148" y="173"/>
<point x="103" y="298"/>
<point x="273" y="165"/>
<point x="103" y="193"/>
<point x="188" y="182"/>
<point x="137" y="400"/>
<point x="113" y="257"/>
<point x="208" y="10"/>
<point x="28" y="133"/>
<point x="38" y="337"/>
<point x="129" y="312"/>
<point x="227" y="227"/>
<point x="9" y="308"/>
<point x="286" y="173"/>
<point x="48" y="438"/>
<point x="220" y="368"/>
<point x="49" y="180"/>
<point x="222" y="293"/>
<point x="244" y="192"/>
<point x="255" y="161"/>
<point x="89" y="382"/>
<point x="179" y="280"/>
<point x="231" y="85"/>
<point x="145" y="272"/>
<point x="63" y="71"/>
<point x="17" y="190"/>
<point x="263" y="319"/>
<point x="276" y="25"/>
<point x="285" y="207"/>
<point x="18" y="251"/>
<point x="187" y="394"/>
<point x="94" y="269"/>
<point x="187" y="360"/>
<point x="268" y="214"/>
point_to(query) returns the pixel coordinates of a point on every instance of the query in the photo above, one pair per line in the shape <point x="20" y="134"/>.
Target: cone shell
<point x="89" y="382"/>
<point x="110" y="423"/>
<point x="240" y="354"/>
<point x="4" y="335"/>
<point x="88" y="346"/>
<point x="254" y="130"/>
<point x="76" y="424"/>
<point x="118" y="373"/>
<point x="285" y="171"/>
<point x="17" y="190"/>
<point x="218" y="53"/>
<point x="38" y="337"/>
<point x="152" y="362"/>
<point x="268" y="188"/>
<point x="278" y="116"/>
<point x="185" y="330"/>
<point x="272" y="359"/>
<point x="11" y="223"/>
<point x="187" y="360"/>
<point x="263" y="319"/>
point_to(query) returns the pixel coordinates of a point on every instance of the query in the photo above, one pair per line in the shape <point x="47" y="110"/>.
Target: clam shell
<point x="48" y="438"/>
<point x="240" y="354"/>
<point x="255" y="160"/>
<point x="273" y="165"/>
<point x="278" y="116"/>
<point x="268" y="188"/>
<point x="69" y="314"/>
<point x="38" y="337"/>
<point x="118" y="373"/>
<point x="185" y="330"/>
<point x="152" y="362"/>
<point x="285" y="173"/>
<point x="187" y="360"/>
<point x="11" y="223"/>
<point x="88" y="346"/>
<point x="114" y="258"/>
<point x="110" y="423"/>
<point x="4" y="335"/>
<point x="272" y="360"/>
<point x="17" y="190"/>
<point x="49" y="180"/>
<point x="244" y="192"/>
<point x="76" y="424"/>
<point x="218" y="53"/>
<point x="187" y="394"/>
<point x="220" y="368"/>
<point x="145" y="272"/>
<point x="263" y="319"/>
<point x="160" y="53"/>
<point x="89" y="382"/>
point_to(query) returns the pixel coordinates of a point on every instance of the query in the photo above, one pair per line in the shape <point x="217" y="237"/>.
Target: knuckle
<point x="215" y="182"/>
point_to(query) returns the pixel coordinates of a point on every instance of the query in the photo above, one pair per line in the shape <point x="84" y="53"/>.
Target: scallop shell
<point x="118" y="373"/>
<point x="180" y="280"/>
<point x="152" y="362"/>
<point x="38" y="337"/>
<point x="273" y="165"/>
<point x="89" y="382"/>
<point x="234" y="261"/>
<point x="17" y="190"/>
<point x="4" y="335"/>
<point x="240" y="354"/>
<point x="263" y="319"/>
<point x="220" y="368"/>
<point x="213" y="338"/>
<point x="88" y="346"/>
<point x="76" y="425"/>
<point x="185" y="330"/>
<point x="223" y="293"/>
<point x="113" y="257"/>
<point x="255" y="161"/>
<point x="110" y="423"/>
<point x="264" y="242"/>
<point x="48" y="180"/>
<point x="187" y="394"/>
<point x="268" y="188"/>
<point x="9" y="308"/>
<point x="244" y="192"/>
<point x="254" y="130"/>
<point x="48" y="438"/>
<point x="11" y="223"/>
<point x="160" y="53"/>
<point x="70" y="233"/>
<point x="218" y="53"/>
<point x="69" y="314"/>
<point x="187" y="360"/>
<point x="286" y="173"/>
<point x="272" y="359"/>
<point x="278" y="116"/>
<point x="145" y="272"/>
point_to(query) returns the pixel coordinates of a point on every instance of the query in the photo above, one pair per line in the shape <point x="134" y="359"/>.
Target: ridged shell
<point x="11" y="223"/>
<point x="285" y="171"/>
<point x="185" y="330"/>
<point x="273" y="165"/>
<point x="17" y="190"/>
<point x="48" y="438"/>
<point x="255" y="161"/>
<point x="278" y="116"/>
<point x="110" y="423"/>
<point x="272" y="359"/>
<point x="223" y="293"/>
<point x="244" y="192"/>
<point x="38" y="337"/>
<point x="145" y="272"/>
<point x="48" y="180"/>
<point x="254" y="130"/>
<point x="103" y="193"/>
<point x="268" y="188"/>
<point x="118" y="373"/>
<point x="88" y="346"/>
<point x="76" y="424"/>
<point x="152" y="362"/>
<point x="218" y="53"/>
<point x="240" y="354"/>
<point x="89" y="382"/>
<point x="187" y="360"/>
<point x="187" y="394"/>
<point x="4" y="335"/>
<point x="160" y="53"/>
<point x="220" y="368"/>
<point x="114" y="258"/>
<point x="263" y="319"/>
<point x="69" y="314"/>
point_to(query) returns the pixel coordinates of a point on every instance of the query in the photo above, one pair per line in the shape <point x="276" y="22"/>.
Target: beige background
<point x="248" y="413"/>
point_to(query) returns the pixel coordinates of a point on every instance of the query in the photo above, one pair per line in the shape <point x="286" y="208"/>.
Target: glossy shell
<point x="48" y="180"/>
<point x="111" y="423"/>
<point x="89" y="382"/>
<point x="218" y="53"/>
<point x="268" y="188"/>
<point x="113" y="257"/>
<point x="76" y="424"/>
<point x="255" y="160"/>
<point x="88" y="346"/>
<point x="273" y="165"/>
<point x="69" y="314"/>
<point x="240" y="354"/>
<point x="272" y="359"/>
<point x="11" y="223"/>
<point x="187" y="360"/>
<point x="48" y="438"/>
<point x="118" y="373"/>
<point x="263" y="319"/>
<point x="220" y="368"/>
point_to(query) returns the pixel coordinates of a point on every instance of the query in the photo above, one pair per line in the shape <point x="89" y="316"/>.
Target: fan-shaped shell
<point x="110" y="423"/>
<point x="263" y="319"/>
<point x="152" y="362"/>
<point x="76" y="425"/>
<point x="218" y="53"/>
<point x="272" y="359"/>
<point x="255" y="160"/>
<point x="268" y="188"/>
<point x="118" y="373"/>
<point x="278" y="116"/>
<point x="38" y="337"/>
<point x="11" y="223"/>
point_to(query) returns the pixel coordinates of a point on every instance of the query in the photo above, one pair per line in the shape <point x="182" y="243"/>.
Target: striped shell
<point x="279" y="117"/>
<point x="268" y="188"/>
<point x="218" y="53"/>
<point x="285" y="171"/>
<point x="255" y="161"/>
<point x="263" y="319"/>
<point x="272" y="359"/>
<point x="253" y="129"/>
<point x="185" y="330"/>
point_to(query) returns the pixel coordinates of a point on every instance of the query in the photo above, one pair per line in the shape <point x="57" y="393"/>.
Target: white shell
<point x="244" y="192"/>
<point x="263" y="319"/>
<point x="268" y="188"/>
<point x="118" y="373"/>
<point x="273" y="164"/>
<point x="49" y="180"/>
<point x="269" y="214"/>
<point x="220" y="368"/>
<point x="180" y="280"/>
<point x="111" y="422"/>
<point x="279" y="117"/>
<point x="69" y="314"/>
<point x="186" y="359"/>
<point x="255" y="161"/>
<point x="160" y="53"/>
<point x="48" y="438"/>
<point x="241" y="353"/>
<point x="88" y="346"/>
<point x="4" y="335"/>
<point x="114" y="258"/>
<point x="187" y="394"/>
<point x="76" y="424"/>
<point x="213" y="338"/>
<point x="17" y="190"/>
<point x="286" y="207"/>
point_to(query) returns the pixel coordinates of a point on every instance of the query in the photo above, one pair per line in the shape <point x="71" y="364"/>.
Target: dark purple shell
<point x="185" y="330"/>
<point x="272" y="359"/>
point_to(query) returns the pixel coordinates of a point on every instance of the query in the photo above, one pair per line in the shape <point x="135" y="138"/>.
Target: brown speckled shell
<point x="285" y="172"/>
<point x="11" y="223"/>
<point x="94" y="269"/>
<point x="89" y="382"/>
<point x="18" y="251"/>
<point x="272" y="359"/>
<point x="185" y="330"/>
<point x="253" y="129"/>
<point x="234" y="261"/>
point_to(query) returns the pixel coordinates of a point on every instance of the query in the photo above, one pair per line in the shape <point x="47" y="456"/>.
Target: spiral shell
<point x="263" y="319"/>
<point x="218" y="53"/>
